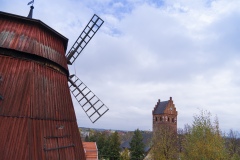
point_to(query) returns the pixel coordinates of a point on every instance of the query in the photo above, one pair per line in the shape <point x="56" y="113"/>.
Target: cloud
<point x="148" y="50"/>
<point x="165" y="51"/>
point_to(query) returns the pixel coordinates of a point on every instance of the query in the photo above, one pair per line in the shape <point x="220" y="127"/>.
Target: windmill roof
<point x="160" y="108"/>
<point x="35" y="21"/>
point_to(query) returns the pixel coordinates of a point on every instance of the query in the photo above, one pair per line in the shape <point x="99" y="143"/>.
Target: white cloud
<point x="147" y="51"/>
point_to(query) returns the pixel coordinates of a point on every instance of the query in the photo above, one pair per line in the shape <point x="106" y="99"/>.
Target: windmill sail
<point x="92" y="27"/>
<point x="91" y="104"/>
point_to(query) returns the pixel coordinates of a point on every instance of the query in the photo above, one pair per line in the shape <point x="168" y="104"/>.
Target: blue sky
<point x="148" y="50"/>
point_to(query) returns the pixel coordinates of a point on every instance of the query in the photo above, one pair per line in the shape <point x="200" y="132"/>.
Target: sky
<point x="148" y="50"/>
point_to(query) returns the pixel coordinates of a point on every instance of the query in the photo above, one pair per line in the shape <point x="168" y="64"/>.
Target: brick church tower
<point x="164" y="114"/>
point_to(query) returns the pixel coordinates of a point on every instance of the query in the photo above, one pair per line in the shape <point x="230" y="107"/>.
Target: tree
<point x="233" y="144"/>
<point x="203" y="140"/>
<point x="101" y="138"/>
<point x="235" y="157"/>
<point x="108" y="146"/>
<point x="102" y="143"/>
<point x="137" y="146"/>
<point x="125" y="154"/>
<point x="86" y="138"/>
<point x="164" y="144"/>
<point x="93" y="137"/>
<point x="114" y="147"/>
<point x="180" y="140"/>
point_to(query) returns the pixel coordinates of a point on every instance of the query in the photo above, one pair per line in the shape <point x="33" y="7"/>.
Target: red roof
<point x="91" y="151"/>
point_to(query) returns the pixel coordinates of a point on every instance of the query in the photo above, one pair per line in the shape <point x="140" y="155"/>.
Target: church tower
<point x="164" y="114"/>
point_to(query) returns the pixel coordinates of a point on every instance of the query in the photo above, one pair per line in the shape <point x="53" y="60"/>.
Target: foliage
<point x="203" y="140"/>
<point x="101" y="139"/>
<point x="93" y="137"/>
<point x="125" y="154"/>
<point x="102" y="143"/>
<point x="235" y="156"/>
<point x="108" y="146"/>
<point x="233" y="144"/>
<point x="180" y="140"/>
<point x="87" y="139"/>
<point x="114" y="147"/>
<point x="164" y="144"/>
<point x="137" y="146"/>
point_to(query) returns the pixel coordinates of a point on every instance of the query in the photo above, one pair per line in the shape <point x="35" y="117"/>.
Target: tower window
<point x="161" y="119"/>
<point x="168" y="119"/>
<point x="155" y="118"/>
<point x="172" y="119"/>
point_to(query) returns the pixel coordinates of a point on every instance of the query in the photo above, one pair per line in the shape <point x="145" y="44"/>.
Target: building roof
<point x="160" y="107"/>
<point x="91" y="151"/>
<point x="35" y="21"/>
<point x="146" y="140"/>
<point x="33" y="40"/>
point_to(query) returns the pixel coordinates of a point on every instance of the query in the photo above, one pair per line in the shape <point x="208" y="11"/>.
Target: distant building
<point x="164" y="114"/>
<point x="91" y="150"/>
<point x="147" y="137"/>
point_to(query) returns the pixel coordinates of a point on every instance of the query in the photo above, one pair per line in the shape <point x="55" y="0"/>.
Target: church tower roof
<point x="161" y="106"/>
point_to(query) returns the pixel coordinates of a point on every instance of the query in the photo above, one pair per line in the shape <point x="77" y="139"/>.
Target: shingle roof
<point x="91" y="151"/>
<point x="146" y="140"/>
<point x="160" y="107"/>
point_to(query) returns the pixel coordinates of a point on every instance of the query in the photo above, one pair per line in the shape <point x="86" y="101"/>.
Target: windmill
<point x="37" y="118"/>
<point x="90" y="103"/>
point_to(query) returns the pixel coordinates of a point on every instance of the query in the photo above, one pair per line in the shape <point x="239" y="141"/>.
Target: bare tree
<point x="180" y="139"/>
<point x="164" y="144"/>
<point x="233" y="143"/>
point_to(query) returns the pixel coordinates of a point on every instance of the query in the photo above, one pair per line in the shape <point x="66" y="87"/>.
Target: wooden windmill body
<point x="37" y="118"/>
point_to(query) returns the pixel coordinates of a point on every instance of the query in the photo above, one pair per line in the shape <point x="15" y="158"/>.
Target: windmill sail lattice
<point x="91" y="104"/>
<point x="92" y="27"/>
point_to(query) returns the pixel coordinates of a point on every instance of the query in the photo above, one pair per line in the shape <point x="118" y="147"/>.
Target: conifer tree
<point x="102" y="144"/>
<point x="137" y="146"/>
<point x="114" y="146"/>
